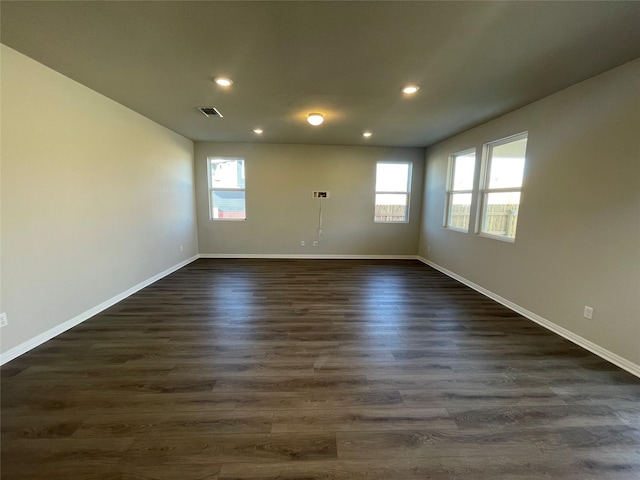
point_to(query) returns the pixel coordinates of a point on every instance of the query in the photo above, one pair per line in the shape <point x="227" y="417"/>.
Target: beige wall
<point x="95" y="199"/>
<point x="281" y="211"/>
<point x="578" y="238"/>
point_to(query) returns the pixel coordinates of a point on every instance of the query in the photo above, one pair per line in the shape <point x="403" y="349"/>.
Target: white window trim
<point x="211" y="189"/>
<point x="406" y="193"/>
<point x="450" y="191"/>
<point x="485" y="191"/>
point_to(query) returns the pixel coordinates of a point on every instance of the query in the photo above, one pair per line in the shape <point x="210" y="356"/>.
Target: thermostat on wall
<point x="320" y="194"/>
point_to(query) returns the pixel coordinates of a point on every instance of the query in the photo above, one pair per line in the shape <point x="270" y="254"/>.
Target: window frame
<point x="485" y="190"/>
<point x="406" y="192"/>
<point x="211" y="189"/>
<point x="450" y="192"/>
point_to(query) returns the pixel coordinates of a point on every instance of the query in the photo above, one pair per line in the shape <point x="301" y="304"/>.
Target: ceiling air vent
<point x="210" y="112"/>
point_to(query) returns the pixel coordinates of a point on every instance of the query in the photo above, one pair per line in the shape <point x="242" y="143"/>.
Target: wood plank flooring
<point x="315" y="370"/>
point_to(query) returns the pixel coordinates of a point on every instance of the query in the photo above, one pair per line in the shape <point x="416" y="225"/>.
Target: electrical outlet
<point x="181" y="248"/>
<point x="315" y="243"/>
<point x="3" y="320"/>
<point x="588" y="313"/>
<point x="428" y="248"/>
<point x="302" y="244"/>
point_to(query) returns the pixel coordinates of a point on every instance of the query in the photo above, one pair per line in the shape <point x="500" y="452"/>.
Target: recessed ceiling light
<point x="257" y="130"/>
<point x="410" y="89"/>
<point x="223" y="81"/>
<point x="315" y="118"/>
<point x="367" y="134"/>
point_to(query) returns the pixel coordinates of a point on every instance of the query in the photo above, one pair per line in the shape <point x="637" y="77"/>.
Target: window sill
<point x="455" y="229"/>
<point x="497" y="237"/>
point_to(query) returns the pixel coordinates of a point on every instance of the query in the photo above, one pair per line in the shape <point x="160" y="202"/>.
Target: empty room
<point x="320" y="240"/>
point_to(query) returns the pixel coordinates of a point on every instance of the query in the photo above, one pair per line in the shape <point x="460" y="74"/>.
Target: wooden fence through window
<point x="390" y="213"/>
<point x="500" y="219"/>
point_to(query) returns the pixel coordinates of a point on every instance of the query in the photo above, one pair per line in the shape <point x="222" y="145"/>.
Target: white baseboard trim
<point x="563" y="332"/>
<point x="307" y="256"/>
<point x="63" y="327"/>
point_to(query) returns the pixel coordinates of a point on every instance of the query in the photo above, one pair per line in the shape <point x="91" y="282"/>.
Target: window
<point x="460" y="190"/>
<point x="393" y="186"/>
<point x="501" y="186"/>
<point x="226" y="189"/>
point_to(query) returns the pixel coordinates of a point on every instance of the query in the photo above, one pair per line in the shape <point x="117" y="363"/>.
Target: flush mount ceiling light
<point x="257" y="131"/>
<point x="223" y="81"/>
<point x="366" y="134"/>
<point x="410" y="89"/>
<point x="315" y="118"/>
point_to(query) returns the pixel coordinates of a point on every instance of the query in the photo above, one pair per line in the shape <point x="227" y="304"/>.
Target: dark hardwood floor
<point x="315" y="369"/>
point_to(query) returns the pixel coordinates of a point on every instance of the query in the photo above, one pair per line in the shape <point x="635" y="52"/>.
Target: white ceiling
<point x="473" y="60"/>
